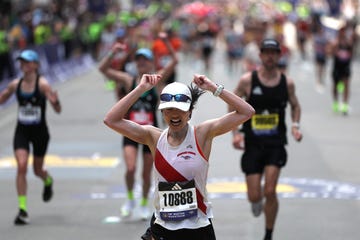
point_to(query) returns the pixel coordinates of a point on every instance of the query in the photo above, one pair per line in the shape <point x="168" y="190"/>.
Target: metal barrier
<point x="53" y="65"/>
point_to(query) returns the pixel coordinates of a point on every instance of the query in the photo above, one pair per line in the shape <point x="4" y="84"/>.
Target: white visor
<point x="173" y="89"/>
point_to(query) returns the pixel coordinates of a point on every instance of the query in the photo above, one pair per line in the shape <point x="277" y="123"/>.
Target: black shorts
<point x="38" y="136"/>
<point x="128" y="141"/>
<point x="160" y="233"/>
<point x="320" y="58"/>
<point x="256" y="157"/>
<point x="207" y="51"/>
<point x="340" y="71"/>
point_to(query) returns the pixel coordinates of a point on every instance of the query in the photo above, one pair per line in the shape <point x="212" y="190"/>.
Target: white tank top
<point x="181" y="163"/>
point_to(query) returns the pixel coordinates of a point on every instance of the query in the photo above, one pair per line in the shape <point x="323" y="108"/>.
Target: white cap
<point x="173" y="89"/>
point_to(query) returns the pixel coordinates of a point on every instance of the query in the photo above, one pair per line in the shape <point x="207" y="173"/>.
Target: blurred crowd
<point x="82" y="26"/>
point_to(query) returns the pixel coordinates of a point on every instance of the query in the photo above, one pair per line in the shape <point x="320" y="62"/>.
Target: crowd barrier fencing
<point x="53" y="66"/>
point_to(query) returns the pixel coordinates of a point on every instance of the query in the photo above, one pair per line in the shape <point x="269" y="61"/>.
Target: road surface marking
<point x="64" y="162"/>
<point x="235" y="188"/>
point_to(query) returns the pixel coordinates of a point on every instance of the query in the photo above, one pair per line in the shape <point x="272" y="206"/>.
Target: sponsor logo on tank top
<point x="257" y="91"/>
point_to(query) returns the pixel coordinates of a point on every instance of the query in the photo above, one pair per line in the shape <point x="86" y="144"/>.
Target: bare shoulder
<point x="204" y="128"/>
<point x="290" y="86"/>
<point x="45" y="86"/>
<point x="154" y="130"/>
<point x="246" y="77"/>
<point x="244" y="80"/>
<point x="290" y="81"/>
<point x="244" y="85"/>
<point x="13" y="84"/>
<point x="43" y="83"/>
<point x="155" y="133"/>
<point x="8" y="90"/>
<point x="43" y="80"/>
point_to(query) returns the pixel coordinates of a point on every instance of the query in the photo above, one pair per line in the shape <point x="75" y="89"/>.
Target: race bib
<point x="29" y="114"/>
<point x="177" y="200"/>
<point x="142" y="117"/>
<point x="343" y="55"/>
<point x="265" y="124"/>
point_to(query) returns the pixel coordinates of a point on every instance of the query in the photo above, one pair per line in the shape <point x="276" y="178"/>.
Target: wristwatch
<point x="218" y="90"/>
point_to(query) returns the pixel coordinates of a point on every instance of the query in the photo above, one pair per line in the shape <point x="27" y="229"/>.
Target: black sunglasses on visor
<point x="166" y="97"/>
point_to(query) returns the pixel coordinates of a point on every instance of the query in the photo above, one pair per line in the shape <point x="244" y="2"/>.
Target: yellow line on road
<point x="111" y="162"/>
<point x="231" y="187"/>
<point x="58" y="161"/>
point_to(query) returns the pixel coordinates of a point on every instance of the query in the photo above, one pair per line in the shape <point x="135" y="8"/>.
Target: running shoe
<point x="257" y="208"/>
<point x="22" y="218"/>
<point x="48" y="192"/>
<point x="127" y="208"/>
<point x="144" y="213"/>
<point x="344" y="108"/>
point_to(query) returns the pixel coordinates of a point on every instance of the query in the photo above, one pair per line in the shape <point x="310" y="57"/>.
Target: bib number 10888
<point x="178" y="198"/>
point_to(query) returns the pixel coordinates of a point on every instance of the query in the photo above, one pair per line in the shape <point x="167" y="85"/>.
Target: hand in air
<point x="203" y="82"/>
<point x="148" y="81"/>
<point x="118" y="47"/>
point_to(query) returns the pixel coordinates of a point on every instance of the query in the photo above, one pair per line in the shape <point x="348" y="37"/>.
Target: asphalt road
<point x="319" y="189"/>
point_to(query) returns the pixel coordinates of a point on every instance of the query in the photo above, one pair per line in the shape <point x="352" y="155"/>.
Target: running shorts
<point x="256" y="157"/>
<point x="160" y="233"/>
<point x="340" y="72"/>
<point x="128" y="141"/>
<point x="38" y="136"/>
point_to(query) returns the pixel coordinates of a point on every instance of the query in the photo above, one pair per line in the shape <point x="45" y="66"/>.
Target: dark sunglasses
<point x="23" y="60"/>
<point x="166" y="97"/>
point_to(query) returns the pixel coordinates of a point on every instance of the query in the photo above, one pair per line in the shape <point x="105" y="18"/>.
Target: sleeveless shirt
<point x="32" y="106"/>
<point x="181" y="163"/>
<point x="343" y="54"/>
<point x="267" y="126"/>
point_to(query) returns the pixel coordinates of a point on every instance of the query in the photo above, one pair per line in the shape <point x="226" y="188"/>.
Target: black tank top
<point x="32" y="106"/>
<point x="343" y="54"/>
<point x="143" y="111"/>
<point x="267" y="126"/>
